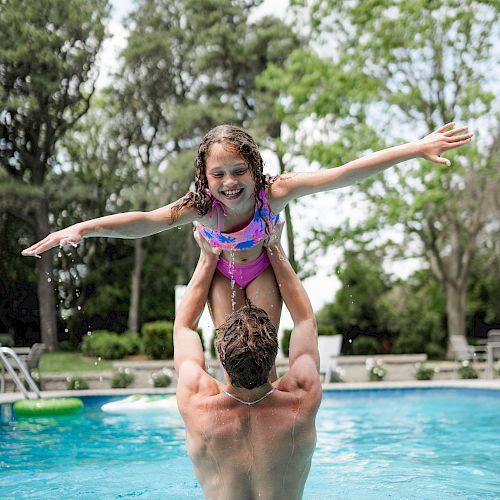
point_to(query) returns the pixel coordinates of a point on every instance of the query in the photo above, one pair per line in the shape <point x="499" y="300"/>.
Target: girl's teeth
<point x="232" y="192"/>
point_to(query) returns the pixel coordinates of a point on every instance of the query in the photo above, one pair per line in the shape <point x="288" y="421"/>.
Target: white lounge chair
<point x="493" y="350"/>
<point x="463" y="351"/>
<point x="329" y="350"/>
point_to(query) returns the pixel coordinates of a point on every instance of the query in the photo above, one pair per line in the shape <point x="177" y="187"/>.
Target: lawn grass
<point x="56" y="362"/>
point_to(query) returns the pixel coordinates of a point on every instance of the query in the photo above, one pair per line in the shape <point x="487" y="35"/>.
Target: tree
<point x="47" y="79"/>
<point x="400" y="69"/>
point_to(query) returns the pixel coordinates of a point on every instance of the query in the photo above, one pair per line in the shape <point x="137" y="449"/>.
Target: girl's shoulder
<point x="278" y="191"/>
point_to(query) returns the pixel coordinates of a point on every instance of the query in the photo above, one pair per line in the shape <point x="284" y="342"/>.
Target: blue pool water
<point x="401" y="444"/>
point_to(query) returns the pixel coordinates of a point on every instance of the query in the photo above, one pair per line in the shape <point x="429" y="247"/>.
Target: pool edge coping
<point x="339" y="387"/>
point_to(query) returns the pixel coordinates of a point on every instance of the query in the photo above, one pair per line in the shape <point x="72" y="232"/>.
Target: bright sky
<point x="321" y="210"/>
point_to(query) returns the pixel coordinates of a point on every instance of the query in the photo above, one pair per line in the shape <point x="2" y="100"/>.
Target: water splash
<point x="231" y="274"/>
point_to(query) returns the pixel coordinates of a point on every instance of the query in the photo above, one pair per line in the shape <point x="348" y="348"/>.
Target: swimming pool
<point x="408" y="443"/>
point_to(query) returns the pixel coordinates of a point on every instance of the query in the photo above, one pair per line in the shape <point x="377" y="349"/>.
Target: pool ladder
<point x="5" y="352"/>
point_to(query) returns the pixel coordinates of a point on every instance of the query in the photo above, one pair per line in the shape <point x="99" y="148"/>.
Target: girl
<point x="234" y="206"/>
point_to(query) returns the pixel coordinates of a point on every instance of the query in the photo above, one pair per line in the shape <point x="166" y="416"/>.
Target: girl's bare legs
<point x="221" y="296"/>
<point x="220" y="303"/>
<point x="264" y="292"/>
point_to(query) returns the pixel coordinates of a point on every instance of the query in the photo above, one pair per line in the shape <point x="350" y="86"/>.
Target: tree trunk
<point x="135" y="295"/>
<point x="289" y="224"/>
<point x="455" y="310"/>
<point x="45" y="286"/>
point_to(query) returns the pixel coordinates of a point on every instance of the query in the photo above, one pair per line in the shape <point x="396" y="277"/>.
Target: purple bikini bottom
<point x="243" y="274"/>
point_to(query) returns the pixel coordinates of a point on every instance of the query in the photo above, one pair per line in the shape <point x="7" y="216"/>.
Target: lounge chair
<point x="463" y="351"/>
<point x="329" y="350"/>
<point x="493" y="350"/>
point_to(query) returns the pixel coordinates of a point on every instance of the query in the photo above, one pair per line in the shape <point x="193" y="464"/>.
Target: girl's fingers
<point x="458" y="138"/>
<point x="444" y="127"/>
<point x="440" y="160"/>
<point x="454" y="131"/>
<point x="459" y="143"/>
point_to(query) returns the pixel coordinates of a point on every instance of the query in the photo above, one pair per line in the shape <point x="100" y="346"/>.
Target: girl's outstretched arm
<point x="125" y="225"/>
<point x="294" y="185"/>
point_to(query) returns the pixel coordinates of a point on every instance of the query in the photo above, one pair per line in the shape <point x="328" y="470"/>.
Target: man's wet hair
<point x="247" y="344"/>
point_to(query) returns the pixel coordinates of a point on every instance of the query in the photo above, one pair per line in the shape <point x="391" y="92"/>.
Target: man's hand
<point x="444" y="138"/>
<point x="273" y="242"/>
<point x="206" y="248"/>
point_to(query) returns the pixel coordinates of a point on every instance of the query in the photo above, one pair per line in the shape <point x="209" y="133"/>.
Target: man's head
<point x="247" y="344"/>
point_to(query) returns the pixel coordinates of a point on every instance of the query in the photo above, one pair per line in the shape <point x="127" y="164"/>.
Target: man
<point x="248" y="438"/>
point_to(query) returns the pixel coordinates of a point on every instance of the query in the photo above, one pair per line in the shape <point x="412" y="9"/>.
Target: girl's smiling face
<point x="229" y="177"/>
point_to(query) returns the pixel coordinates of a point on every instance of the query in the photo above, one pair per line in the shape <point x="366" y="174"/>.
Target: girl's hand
<point x="275" y="237"/>
<point x="206" y="248"/>
<point x="444" y="138"/>
<point x="69" y="236"/>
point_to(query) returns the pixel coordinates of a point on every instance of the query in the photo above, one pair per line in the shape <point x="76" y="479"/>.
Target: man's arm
<point x="304" y="338"/>
<point x="187" y="343"/>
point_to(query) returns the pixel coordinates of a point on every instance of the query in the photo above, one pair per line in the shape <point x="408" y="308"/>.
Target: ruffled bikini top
<point x="249" y="236"/>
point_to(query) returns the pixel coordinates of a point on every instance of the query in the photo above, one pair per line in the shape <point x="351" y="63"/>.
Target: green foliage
<point x="326" y="329"/>
<point x="285" y="341"/>
<point x="161" y="378"/>
<point x="213" y="351"/>
<point x="76" y="383"/>
<point x="415" y="311"/>
<point x="158" y="339"/>
<point x="467" y="371"/>
<point x="424" y="372"/>
<point x="122" y="378"/>
<point x="398" y="70"/>
<point x="358" y="307"/>
<point x="6" y="340"/>
<point x="364" y="344"/>
<point x="110" y="345"/>
<point x="376" y="370"/>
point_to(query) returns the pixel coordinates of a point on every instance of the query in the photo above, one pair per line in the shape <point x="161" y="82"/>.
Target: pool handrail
<point x="4" y="351"/>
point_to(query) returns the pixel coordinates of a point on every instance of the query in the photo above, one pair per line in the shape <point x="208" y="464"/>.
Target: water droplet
<point x="49" y="280"/>
<point x="79" y="308"/>
<point x="89" y="333"/>
<point x="66" y="330"/>
<point x="350" y="341"/>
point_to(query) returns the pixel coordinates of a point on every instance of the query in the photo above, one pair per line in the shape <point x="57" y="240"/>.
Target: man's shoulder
<point x="194" y="381"/>
<point x="303" y="376"/>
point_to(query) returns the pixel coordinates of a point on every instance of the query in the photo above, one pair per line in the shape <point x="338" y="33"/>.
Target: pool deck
<point x="11" y="397"/>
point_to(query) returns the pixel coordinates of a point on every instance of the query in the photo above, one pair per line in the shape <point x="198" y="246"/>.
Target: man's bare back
<point x="249" y="451"/>
<point x="260" y="451"/>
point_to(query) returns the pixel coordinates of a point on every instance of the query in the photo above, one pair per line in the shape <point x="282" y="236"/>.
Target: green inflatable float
<point x="47" y="407"/>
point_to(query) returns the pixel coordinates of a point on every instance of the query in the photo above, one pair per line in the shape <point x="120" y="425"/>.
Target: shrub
<point x="6" y="340"/>
<point x="75" y="383"/>
<point x="376" y="370"/>
<point x="131" y="343"/>
<point x="363" y="345"/>
<point x="158" y="339"/>
<point x="326" y="329"/>
<point x="285" y="341"/>
<point x="122" y="378"/>
<point x="434" y="351"/>
<point x="161" y="378"/>
<point x="104" y="344"/>
<point x="424" y="372"/>
<point x="466" y="370"/>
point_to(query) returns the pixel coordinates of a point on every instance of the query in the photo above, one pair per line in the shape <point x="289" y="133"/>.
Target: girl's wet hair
<point x="234" y="139"/>
<point x="247" y="344"/>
